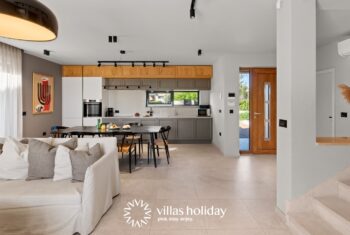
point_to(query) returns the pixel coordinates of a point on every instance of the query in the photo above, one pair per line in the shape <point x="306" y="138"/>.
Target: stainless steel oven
<point x="92" y="108"/>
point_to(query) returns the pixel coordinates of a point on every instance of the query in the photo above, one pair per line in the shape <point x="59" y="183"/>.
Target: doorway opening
<point x="257" y="110"/>
<point x="244" y="111"/>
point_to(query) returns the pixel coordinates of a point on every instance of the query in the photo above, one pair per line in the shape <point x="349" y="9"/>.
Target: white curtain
<point x="11" y="121"/>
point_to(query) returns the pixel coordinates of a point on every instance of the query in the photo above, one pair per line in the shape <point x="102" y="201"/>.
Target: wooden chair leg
<point x="158" y="150"/>
<point x="130" y="161"/>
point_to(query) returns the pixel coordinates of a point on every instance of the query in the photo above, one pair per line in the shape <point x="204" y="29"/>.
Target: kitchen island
<point x="184" y="129"/>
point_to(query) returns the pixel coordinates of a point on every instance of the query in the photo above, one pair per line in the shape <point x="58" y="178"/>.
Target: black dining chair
<point x="161" y="143"/>
<point x="128" y="146"/>
<point x="56" y="131"/>
<point x="137" y="138"/>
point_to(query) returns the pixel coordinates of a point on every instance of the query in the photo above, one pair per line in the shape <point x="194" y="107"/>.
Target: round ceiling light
<point x="27" y="20"/>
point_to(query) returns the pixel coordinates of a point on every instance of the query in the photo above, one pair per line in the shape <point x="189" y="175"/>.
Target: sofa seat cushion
<point x="21" y="193"/>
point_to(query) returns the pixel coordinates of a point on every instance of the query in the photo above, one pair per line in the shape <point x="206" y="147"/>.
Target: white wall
<point x="301" y="163"/>
<point x="225" y="80"/>
<point x="328" y="58"/>
<point x="130" y="102"/>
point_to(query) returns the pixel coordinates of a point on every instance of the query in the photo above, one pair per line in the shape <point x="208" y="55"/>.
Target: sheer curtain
<point x="10" y="91"/>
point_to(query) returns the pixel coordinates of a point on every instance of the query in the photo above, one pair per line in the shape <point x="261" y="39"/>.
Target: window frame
<point x="179" y="105"/>
<point x="160" y="105"/>
<point x="172" y="93"/>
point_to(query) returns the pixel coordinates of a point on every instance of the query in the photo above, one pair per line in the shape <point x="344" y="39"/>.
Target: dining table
<point x="82" y="131"/>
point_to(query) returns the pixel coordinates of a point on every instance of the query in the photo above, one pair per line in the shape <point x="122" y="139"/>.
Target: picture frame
<point x="43" y="94"/>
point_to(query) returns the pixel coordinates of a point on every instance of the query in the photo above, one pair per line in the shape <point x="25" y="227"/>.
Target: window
<point x="159" y="98"/>
<point x="172" y="98"/>
<point x="186" y="98"/>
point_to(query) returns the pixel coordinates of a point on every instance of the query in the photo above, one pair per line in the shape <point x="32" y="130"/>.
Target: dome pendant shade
<point x="27" y="20"/>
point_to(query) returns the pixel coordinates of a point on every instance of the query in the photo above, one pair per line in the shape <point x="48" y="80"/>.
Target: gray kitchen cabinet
<point x="173" y="124"/>
<point x="167" y="84"/>
<point x="149" y="84"/>
<point x="115" y="83"/>
<point x="131" y="120"/>
<point x="202" y="84"/>
<point x="203" y="129"/>
<point x="186" y="84"/>
<point x="186" y="129"/>
<point x="133" y="84"/>
<point x="150" y="122"/>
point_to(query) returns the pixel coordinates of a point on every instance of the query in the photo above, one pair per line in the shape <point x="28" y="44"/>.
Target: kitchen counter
<point x="156" y="117"/>
<point x="184" y="129"/>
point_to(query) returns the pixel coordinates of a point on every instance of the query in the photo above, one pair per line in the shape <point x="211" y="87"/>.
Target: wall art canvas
<point x="43" y="93"/>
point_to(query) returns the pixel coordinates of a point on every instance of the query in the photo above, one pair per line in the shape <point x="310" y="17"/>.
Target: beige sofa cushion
<point x="21" y="193"/>
<point x="41" y="158"/>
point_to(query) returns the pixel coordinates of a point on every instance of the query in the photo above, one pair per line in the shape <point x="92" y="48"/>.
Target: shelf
<point x="333" y="140"/>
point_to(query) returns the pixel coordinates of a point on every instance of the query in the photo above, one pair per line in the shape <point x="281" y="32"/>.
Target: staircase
<point x="322" y="212"/>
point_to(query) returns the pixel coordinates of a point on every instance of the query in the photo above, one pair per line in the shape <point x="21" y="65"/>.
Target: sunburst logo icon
<point x="137" y="213"/>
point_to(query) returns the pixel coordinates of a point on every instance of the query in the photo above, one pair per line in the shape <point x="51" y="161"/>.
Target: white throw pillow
<point x="13" y="163"/>
<point x="63" y="165"/>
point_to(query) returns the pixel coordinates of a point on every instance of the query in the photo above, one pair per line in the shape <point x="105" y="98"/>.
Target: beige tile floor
<point x="199" y="175"/>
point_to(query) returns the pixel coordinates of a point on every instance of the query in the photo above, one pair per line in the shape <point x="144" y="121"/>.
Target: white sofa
<point x="61" y="207"/>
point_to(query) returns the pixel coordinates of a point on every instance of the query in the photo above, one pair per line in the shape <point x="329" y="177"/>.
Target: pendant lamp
<point x="27" y="20"/>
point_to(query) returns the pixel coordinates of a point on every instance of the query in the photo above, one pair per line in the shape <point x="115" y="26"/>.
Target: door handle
<point x="257" y="113"/>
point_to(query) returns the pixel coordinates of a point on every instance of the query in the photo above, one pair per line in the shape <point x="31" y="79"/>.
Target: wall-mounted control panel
<point x="282" y="123"/>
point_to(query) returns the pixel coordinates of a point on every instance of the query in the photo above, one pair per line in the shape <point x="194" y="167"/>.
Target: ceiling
<point x="157" y="30"/>
<point x="333" y="19"/>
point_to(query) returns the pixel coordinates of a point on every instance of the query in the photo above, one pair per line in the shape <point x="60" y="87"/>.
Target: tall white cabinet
<point x="72" y="101"/>
<point x="92" y="88"/>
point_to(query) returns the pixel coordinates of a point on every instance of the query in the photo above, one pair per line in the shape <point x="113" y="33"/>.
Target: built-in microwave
<point x="204" y="111"/>
<point x="92" y="108"/>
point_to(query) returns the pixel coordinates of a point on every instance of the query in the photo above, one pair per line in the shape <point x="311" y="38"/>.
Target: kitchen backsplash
<point x="130" y="102"/>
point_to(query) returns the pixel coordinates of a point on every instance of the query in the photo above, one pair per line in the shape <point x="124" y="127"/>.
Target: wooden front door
<point x="263" y="111"/>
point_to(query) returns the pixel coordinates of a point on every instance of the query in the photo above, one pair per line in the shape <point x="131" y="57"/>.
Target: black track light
<point x="47" y="52"/>
<point x="192" y="10"/>
<point x="132" y="62"/>
<point x="199" y="52"/>
<point x="122" y="52"/>
<point x="192" y="13"/>
<point x="113" y="39"/>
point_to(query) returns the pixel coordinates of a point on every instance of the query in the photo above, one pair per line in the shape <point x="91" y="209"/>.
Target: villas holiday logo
<point x="137" y="213"/>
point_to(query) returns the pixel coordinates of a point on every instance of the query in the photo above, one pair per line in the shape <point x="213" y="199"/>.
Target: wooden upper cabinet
<point x="72" y="71"/>
<point x="92" y="71"/>
<point x="190" y="71"/>
<point x="204" y="71"/>
<point x="129" y="71"/>
<point x="167" y="72"/>
<point x="170" y="72"/>
<point x="185" y="72"/>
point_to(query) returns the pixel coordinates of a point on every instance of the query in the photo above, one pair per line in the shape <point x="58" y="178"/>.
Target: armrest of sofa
<point x="102" y="183"/>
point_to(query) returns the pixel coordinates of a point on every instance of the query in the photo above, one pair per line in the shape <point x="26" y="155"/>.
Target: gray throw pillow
<point x="81" y="160"/>
<point x="41" y="158"/>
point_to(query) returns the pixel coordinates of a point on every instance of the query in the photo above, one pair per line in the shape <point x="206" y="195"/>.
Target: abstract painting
<point x="43" y="93"/>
